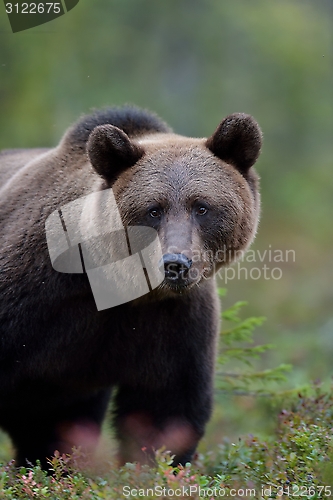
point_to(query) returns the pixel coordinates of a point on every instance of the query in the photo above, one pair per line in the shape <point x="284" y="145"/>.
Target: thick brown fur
<point x="60" y="357"/>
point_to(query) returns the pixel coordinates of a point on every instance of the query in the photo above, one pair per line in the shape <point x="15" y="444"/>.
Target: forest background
<point x="193" y="62"/>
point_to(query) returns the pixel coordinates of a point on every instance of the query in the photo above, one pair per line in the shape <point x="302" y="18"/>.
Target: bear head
<point x="200" y="195"/>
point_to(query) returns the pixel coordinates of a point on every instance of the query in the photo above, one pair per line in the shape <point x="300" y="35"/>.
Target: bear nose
<point x="176" y="266"/>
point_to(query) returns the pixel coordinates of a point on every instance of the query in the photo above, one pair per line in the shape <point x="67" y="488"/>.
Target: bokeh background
<point x="193" y="62"/>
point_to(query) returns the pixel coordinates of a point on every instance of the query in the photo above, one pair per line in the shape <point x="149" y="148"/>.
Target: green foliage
<point x="295" y="462"/>
<point x="297" y="458"/>
<point x="232" y="349"/>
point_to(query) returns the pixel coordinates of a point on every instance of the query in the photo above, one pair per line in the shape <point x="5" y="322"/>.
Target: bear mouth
<point x="177" y="288"/>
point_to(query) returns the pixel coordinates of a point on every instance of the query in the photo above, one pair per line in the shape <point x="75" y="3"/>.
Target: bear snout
<point x="176" y="267"/>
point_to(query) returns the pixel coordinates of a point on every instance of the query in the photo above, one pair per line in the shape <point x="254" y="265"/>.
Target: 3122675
<point x="33" y="8"/>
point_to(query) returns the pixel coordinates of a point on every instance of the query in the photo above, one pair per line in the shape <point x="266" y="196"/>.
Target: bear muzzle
<point x="176" y="268"/>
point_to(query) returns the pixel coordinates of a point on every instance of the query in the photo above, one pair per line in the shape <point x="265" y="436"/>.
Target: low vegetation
<point x="295" y="461"/>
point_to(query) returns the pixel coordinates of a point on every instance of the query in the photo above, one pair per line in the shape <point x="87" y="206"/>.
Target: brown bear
<point x="61" y="357"/>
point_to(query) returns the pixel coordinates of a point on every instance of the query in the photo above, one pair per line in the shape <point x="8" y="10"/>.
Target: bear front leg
<point x="37" y="432"/>
<point x="165" y="396"/>
<point x="146" y="421"/>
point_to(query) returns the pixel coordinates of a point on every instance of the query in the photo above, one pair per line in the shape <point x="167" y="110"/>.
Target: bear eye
<point x="201" y="210"/>
<point x="155" y="213"/>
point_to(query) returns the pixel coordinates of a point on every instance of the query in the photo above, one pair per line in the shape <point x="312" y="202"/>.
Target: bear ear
<point x="237" y="140"/>
<point x="111" y="151"/>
